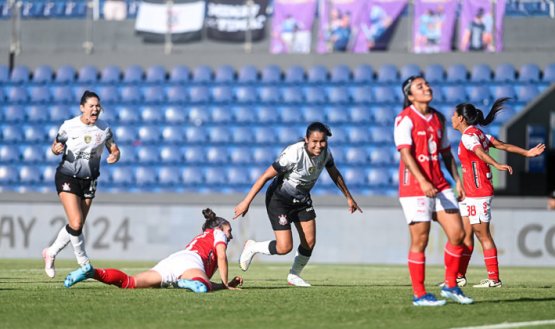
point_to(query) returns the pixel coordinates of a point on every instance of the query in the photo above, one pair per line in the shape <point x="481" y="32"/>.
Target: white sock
<point x="262" y="247"/>
<point x="298" y="264"/>
<point x="60" y="243"/>
<point x="78" y="243"/>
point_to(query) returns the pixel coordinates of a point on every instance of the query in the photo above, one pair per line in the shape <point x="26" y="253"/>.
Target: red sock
<point x="115" y="277"/>
<point x="417" y="270"/>
<point x="465" y="260"/>
<point x="452" y="257"/>
<point x="492" y="266"/>
<point x="206" y="283"/>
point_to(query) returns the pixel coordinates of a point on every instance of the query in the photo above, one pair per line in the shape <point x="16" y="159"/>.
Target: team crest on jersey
<point x="311" y="170"/>
<point x="282" y="219"/>
<point x="88" y="139"/>
<point x="65" y="187"/>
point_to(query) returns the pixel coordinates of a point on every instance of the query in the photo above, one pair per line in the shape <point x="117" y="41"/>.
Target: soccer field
<point x="342" y="296"/>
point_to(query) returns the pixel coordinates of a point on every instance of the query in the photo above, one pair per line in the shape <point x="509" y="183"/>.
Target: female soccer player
<point x="81" y="140"/>
<point x="288" y="199"/>
<point x="190" y="268"/>
<point x="476" y="206"/>
<point x="424" y="192"/>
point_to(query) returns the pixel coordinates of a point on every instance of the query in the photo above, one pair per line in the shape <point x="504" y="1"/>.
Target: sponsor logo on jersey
<point x="425" y="158"/>
<point x="282" y="219"/>
<point x="421" y="133"/>
<point x="65" y="187"/>
<point x="88" y="139"/>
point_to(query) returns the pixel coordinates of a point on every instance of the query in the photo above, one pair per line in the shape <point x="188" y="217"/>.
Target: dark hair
<point x="474" y="116"/>
<point x="212" y="221"/>
<point x="88" y="94"/>
<point x="406" y="88"/>
<point x="318" y="126"/>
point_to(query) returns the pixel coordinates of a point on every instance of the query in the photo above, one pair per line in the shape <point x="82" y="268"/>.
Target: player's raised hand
<point x="241" y="209"/>
<point x="112" y="158"/>
<point x="536" y="150"/>
<point x="353" y="206"/>
<point x="504" y="167"/>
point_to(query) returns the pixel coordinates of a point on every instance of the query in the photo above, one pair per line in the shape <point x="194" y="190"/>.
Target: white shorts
<point x="171" y="267"/>
<point x="421" y="208"/>
<point x="478" y="210"/>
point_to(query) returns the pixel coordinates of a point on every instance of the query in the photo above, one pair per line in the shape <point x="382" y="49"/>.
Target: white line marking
<point x="511" y="325"/>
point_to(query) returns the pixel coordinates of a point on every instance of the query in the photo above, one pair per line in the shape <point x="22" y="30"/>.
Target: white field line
<point x="511" y="325"/>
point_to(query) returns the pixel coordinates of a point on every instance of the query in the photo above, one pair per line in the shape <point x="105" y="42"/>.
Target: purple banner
<point x="377" y="24"/>
<point x="477" y="32"/>
<point x="292" y="26"/>
<point x="434" y="24"/>
<point x="340" y="25"/>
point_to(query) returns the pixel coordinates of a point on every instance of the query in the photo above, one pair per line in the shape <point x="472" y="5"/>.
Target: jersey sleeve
<point x="109" y="138"/>
<point x="402" y="132"/>
<point x="286" y="160"/>
<point x="62" y="136"/>
<point x="219" y="237"/>
<point x="470" y="142"/>
<point x="490" y="139"/>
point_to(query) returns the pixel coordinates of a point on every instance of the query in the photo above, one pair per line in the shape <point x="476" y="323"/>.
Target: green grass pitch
<point x="342" y="296"/>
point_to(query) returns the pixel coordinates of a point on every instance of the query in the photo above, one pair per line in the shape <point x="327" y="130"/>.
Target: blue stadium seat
<point x="481" y="73"/>
<point x="192" y="176"/>
<point x="362" y="95"/>
<point x="289" y="134"/>
<point x="13" y="114"/>
<point x="381" y="155"/>
<point x="237" y="176"/>
<point x="387" y="73"/>
<point x="247" y="74"/>
<point x="317" y="74"/>
<point x="40" y="94"/>
<point x="34" y="133"/>
<point x="241" y="135"/>
<point x="199" y="94"/>
<point x="122" y="175"/>
<point x="8" y="174"/>
<point x="131" y="94"/>
<point x="151" y="114"/>
<point x="175" y="115"/>
<point x="176" y="94"/>
<point x="17" y="94"/>
<point x="215" y="176"/>
<point x="240" y="155"/>
<point x="377" y="177"/>
<point x="20" y="74"/>
<point x="526" y="93"/>
<point x="506" y="90"/>
<point x="128" y="153"/>
<point x="147" y="155"/>
<point x="549" y="73"/>
<point x="382" y="115"/>
<point x="529" y="73"/>
<point x="255" y="172"/>
<point x="271" y="74"/>
<point x="409" y="70"/>
<point x="358" y="134"/>
<point x="336" y="114"/>
<point x="154" y="94"/>
<point x="88" y="74"/>
<point x="4" y="74"/>
<point x="505" y="73"/>
<point x="222" y="94"/>
<point x="363" y="73"/>
<point x="505" y="115"/>
<point x="155" y="74"/>
<point x="58" y="113"/>
<point x="479" y="94"/>
<point x="218" y="134"/>
<point x="43" y="74"/>
<point x="360" y="114"/>
<point x="454" y="93"/>
<point x="312" y="114"/>
<point x="295" y="74"/>
<point x="340" y="74"/>
<point x="180" y="74"/>
<point x="356" y="155"/>
<point x="202" y="74"/>
<point x="133" y="74"/>
<point x="265" y="114"/>
<point x="315" y="95"/>
<point x="244" y="114"/>
<point x="224" y="74"/>
<point x="9" y="153"/>
<point x="168" y="176"/>
<point x="264" y="135"/>
<point x="385" y="94"/>
<point x="220" y="114"/>
<point x="269" y="94"/>
<point x="198" y="115"/>
<point x="172" y="134"/>
<point x="245" y="94"/>
<point x="196" y="135"/>
<point x="456" y="73"/>
<point x="393" y="174"/>
<point x="125" y="134"/>
<point x="65" y="74"/>
<point x="126" y="114"/>
<point x="381" y="135"/>
<point x="108" y="94"/>
<point x="48" y="173"/>
<point x="217" y="155"/>
<point x="355" y="176"/>
<point x="29" y="174"/>
<point x="339" y="95"/>
<point x="339" y="135"/>
<point x="263" y="155"/>
<point x="111" y="74"/>
<point x="290" y="114"/>
<point x="63" y="94"/>
<point x="292" y="95"/>
<point x="149" y="134"/>
<point x="194" y="154"/>
<point x="434" y="73"/>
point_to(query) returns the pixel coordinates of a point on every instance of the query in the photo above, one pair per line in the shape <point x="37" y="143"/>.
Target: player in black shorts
<point x="288" y="200"/>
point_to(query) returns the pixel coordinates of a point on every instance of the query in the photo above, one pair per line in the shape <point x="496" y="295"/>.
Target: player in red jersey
<point x="476" y="162"/>
<point x="424" y="192"/>
<point x="190" y="268"/>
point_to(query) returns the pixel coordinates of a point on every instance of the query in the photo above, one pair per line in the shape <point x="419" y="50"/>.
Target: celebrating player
<point x="190" y="268"/>
<point x="81" y="140"/>
<point x="288" y="199"/>
<point x="476" y="206"/>
<point x="424" y="192"/>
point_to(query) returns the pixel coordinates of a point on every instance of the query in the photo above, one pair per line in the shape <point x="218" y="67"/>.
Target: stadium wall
<point x="131" y="227"/>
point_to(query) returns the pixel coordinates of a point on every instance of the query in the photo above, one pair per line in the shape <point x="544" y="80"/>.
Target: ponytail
<point x="474" y="116"/>
<point x="212" y="221"/>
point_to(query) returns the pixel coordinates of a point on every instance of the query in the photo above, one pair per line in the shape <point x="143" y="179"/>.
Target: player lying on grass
<point x="190" y="268"/>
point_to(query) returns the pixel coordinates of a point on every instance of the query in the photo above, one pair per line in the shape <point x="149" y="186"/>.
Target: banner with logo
<point x="292" y="26"/>
<point x="228" y="20"/>
<point x="340" y="25"/>
<point x="481" y="26"/>
<point x="184" y="20"/>
<point x="434" y="25"/>
<point x="377" y="24"/>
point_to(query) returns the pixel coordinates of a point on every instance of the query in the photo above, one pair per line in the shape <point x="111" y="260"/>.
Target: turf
<point x="342" y="296"/>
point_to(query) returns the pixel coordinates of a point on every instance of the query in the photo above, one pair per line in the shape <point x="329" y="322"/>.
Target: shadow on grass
<point x="517" y="300"/>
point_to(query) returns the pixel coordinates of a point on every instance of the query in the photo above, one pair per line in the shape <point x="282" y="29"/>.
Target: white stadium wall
<point x="130" y="231"/>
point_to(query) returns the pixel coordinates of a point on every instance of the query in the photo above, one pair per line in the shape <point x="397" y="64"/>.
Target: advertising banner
<point x="340" y="22"/>
<point x="481" y="25"/>
<point x="434" y="25"/>
<point x="228" y="20"/>
<point x="377" y="24"/>
<point x="292" y="26"/>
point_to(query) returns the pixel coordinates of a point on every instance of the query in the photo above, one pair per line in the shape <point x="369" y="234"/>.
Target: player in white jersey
<point x="288" y="199"/>
<point x="81" y="140"/>
<point x="190" y="268"/>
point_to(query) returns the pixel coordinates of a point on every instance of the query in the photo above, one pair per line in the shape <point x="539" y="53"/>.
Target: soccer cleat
<point x="428" y="300"/>
<point x="193" y="285"/>
<point x="297" y="281"/>
<point x="461" y="282"/>
<point x="48" y="263"/>
<point x="456" y="294"/>
<point x="246" y="256"/>
<point x="487" y="283"/>
<point x="84" y="272"/>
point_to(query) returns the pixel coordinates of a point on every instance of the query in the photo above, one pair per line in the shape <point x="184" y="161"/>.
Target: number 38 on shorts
<point x="478" y="210"/>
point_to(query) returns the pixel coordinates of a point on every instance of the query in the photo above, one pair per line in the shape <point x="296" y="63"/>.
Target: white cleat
<point x="461" y="282"/>
<point x="48" y="263"/>
<point x="297" y="281"/>
<point x="246" y="256"/>
<point x="487" y="283"/>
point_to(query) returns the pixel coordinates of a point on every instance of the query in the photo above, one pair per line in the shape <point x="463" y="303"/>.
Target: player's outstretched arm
<point x="340" y="182"/>
<point x="533" y="152"/>
<point x="243" y="207"/>
<point x="491" y="161"/>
